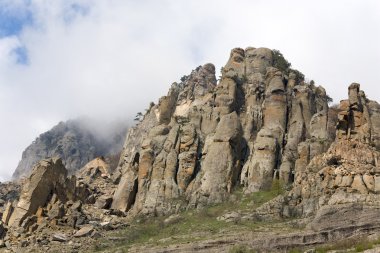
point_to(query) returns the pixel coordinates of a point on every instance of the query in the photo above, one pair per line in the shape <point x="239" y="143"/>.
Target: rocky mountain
<point x="204" y="139"/>
<point x="256" y="161"/>
<point x="75" y="141"/>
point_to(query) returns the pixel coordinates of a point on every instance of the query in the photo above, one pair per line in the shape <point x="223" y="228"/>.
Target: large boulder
<point x="48" y="178"/>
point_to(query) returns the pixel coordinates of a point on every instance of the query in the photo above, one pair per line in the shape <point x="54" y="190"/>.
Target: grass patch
<point x="192" y="225"/>
<point x="241" y="249"/>
<point x="253" y="200"/>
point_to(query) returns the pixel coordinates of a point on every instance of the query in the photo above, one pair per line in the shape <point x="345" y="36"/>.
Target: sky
<point x="108" y="59"/>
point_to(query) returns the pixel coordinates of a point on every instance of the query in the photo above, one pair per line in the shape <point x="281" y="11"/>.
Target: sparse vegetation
<point x="240" y="249"/>
<point x="194" y="225"/>
<point x="348" y="245"/>
<point x="184" y="78"/>
<point x="279" y="61"/>
<point x="139" y="116"/>
<point x="299" y="76"/>
<point x="282" y="64"/>
<point x="278" y="187"/>
<point x="329" y="99"/>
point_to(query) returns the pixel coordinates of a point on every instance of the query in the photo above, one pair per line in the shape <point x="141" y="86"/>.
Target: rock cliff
<point x="348" y="174"/>
<point x="204" y="139"/>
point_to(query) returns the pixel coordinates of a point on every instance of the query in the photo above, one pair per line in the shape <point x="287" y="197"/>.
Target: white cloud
<point x="111" y="58"/>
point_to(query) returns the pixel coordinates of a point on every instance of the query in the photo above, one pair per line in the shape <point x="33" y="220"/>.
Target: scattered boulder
<point x="7" y="213"/>
<point x="230" y="217"/>
<point x="104" y="202"/>
<point x="59" y="237"/>
<point x="85" y="231"/>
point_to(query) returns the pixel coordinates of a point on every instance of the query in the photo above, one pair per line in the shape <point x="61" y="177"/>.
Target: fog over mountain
<point x="76" y="142"/>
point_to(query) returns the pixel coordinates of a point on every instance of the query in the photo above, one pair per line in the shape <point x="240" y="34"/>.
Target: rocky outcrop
<point x="76" y="142"/>
<point x="48" y="181"/>
<point x="52" y="201"/>
<point x="95" y="177"/>
<point x="204" y="139"/>
<point x="347" y="175"/>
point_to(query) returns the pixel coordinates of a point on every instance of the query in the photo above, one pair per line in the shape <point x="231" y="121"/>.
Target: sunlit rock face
<point x="207" y="137"/>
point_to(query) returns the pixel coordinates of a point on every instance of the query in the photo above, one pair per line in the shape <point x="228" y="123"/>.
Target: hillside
<point x="254" y="162"/>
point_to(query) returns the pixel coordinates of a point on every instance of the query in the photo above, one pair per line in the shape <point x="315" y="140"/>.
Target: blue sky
<point x="63" y="59"/>
<point x="13" y="20"/>
<point x="16" y="17"/>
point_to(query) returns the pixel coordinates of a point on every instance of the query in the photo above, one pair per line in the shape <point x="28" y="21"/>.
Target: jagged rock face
<point x="349" y="172"/>
<point x="49" y="198"/>
<point x="358" y="118"/>
<point x="50" y="201"/>
<point x="75" y="142"/>
<point x="203" y="138"/>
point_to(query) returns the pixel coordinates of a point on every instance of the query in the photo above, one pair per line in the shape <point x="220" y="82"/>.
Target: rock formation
<point x="259" y="126"/>
<point x="76" y="142"/>
<point x="50" y="199"/>
<point x="344" y="180"/>
<point x="202" y="140"/>
<point x="48" y="183"/>
<point x="349" y="171"/>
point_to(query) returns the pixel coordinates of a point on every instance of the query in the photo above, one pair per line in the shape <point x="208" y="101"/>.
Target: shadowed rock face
<point x="203" y="139"/>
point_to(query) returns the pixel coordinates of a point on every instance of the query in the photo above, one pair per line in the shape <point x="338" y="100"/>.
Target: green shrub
<point x="279" y="61"/>
<point x="299" y="76"/>
<point x="277" y="187"/>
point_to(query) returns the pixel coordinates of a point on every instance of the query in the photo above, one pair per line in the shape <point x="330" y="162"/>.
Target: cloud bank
<point x="108" y="59"/>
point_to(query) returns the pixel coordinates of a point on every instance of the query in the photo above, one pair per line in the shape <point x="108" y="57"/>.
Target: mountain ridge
<point x="76" y="141"/>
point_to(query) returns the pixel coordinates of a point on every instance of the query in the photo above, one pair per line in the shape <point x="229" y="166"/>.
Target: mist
<point x="108" y="60"/>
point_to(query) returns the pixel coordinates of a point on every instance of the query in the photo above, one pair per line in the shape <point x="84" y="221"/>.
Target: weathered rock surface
<point x="85" y="231"/>
<point x="344" y="180"/>
<point x="53" y="206"/>
<point x="47" y="178"/>
<point x="202" y="140"/>
<point x="59" y="237"/>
